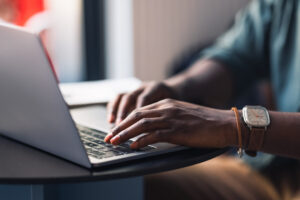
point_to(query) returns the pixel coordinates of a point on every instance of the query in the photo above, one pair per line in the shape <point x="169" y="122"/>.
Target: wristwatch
<point x="257" y="120"/>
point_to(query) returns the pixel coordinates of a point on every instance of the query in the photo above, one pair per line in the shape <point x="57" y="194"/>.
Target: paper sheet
<point x="93" y="92"/>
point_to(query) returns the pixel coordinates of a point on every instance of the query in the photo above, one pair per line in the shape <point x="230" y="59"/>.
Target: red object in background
<point x="26" y="9"/>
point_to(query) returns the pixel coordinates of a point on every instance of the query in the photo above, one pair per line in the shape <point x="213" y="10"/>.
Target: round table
<point x="22" y="164"/>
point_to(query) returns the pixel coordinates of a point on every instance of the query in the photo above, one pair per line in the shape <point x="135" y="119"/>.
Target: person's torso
<point x="284" y="54"/>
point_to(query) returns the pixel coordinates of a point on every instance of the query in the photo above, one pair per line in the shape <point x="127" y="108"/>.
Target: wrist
<point x="245" y="132"/>
<point x="231" y="133"/>
<point x="176" y="85"/>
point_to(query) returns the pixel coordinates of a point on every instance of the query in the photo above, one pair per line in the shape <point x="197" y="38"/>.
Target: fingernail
<point x="107" y="137"/>
<point x="115" y="140"/>
<point x="134" y="145"/>
<point x="110" y="118"/>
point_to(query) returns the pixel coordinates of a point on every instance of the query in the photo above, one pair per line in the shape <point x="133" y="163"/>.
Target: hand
<point x="179" y="123"/>
<point x="148" y="93"/>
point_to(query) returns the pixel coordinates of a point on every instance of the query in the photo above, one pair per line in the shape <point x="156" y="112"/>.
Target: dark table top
<point x="22" y="164"/>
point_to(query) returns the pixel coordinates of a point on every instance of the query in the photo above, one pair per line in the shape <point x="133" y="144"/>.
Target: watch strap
<point x="256" y="139"/>
<point x="246" y="131"/>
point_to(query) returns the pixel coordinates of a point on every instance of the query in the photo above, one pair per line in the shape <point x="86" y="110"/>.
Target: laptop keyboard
<point x="95" y="146"/>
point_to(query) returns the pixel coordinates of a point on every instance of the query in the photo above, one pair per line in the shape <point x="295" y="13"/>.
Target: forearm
<point x="283" y="135"/>
<point x="207" y="82"/>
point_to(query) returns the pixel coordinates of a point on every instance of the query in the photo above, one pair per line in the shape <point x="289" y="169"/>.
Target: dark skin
<point x="161" y="110"/>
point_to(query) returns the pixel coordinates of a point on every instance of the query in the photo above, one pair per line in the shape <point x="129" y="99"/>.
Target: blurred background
<point x="99" y="39"/>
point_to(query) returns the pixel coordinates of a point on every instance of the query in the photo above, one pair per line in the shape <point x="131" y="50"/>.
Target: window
<point x="71" y="30"/>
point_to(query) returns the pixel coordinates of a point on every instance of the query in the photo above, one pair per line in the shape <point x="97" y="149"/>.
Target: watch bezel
<point x="249" y="123"/>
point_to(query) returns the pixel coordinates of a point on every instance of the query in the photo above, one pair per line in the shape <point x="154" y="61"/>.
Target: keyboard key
<point x="90" y="144"/>
<point x="98" y="134"/>
<point x="96" y="147"/>
<point x="98" y="141"/>
<point x="126" y="144"/>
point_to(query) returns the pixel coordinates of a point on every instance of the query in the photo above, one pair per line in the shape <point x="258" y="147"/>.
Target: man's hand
<point x="176" y="122"/>
<point x="148" y="93"/>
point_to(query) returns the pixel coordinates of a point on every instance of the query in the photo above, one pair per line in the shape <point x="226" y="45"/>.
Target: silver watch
<point x="257" y="119"/>
<point x="256" y="116"/>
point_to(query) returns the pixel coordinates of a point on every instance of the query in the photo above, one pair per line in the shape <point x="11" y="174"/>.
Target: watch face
<point x="256" y="116"/>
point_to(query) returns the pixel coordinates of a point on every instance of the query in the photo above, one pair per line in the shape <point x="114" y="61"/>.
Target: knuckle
<point x="137" y="114"/>
<point x="123" y="134"/>
<point x="167" y="100"/>
<point x="170" y="111"/>
<point x="174" y="110"/>
<point x="115" y="130"/>
<point x="145" y="122"/>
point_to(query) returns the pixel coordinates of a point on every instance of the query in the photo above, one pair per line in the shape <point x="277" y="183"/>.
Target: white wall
<point x="119" y="38"/>
<point x="164" y="29"/>
<point x="143" y="36"/>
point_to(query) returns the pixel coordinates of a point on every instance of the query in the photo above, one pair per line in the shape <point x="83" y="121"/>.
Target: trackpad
<point x="92" y="117"/>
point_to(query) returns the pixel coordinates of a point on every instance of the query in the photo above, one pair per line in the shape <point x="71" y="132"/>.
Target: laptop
<point x="33" y="110"/>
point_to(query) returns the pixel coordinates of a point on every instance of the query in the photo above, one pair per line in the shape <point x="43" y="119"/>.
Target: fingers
<point x="158" y="104"/>
<point x="127" y="103"/>
<point x="148" y="119"/>
<point x="130" y="120"/>
<point x="154" y="92"/>
<point x="149" y="111"/>
<point x="144" y="99"/>
<point x="123" y="104"/>
<point x="142" y="126"/>
<point x="112" y="108"/>
<point x="151" y="138"/>
<point x="144" y="112"/>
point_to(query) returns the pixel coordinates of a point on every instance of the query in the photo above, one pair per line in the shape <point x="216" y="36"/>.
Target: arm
<point x="206" y="82"/>
<point x="192" y="125"/>
<point x="209" y="81"/>
<point x="283" y="135"/>
<point x="191" y="86"/>
<point x="243" y="50"/>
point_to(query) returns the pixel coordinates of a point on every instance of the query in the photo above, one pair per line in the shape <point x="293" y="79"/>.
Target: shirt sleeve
<point x="244" y="47"/>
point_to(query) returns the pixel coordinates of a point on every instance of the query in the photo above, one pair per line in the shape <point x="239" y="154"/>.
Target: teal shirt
<point x="264" y="42"/>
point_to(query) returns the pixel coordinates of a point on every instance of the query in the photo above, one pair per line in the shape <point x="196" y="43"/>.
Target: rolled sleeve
<point x="244" y="48"/>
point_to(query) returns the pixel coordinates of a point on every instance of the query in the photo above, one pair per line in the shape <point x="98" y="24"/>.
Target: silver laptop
<point x="33" y="110"/>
